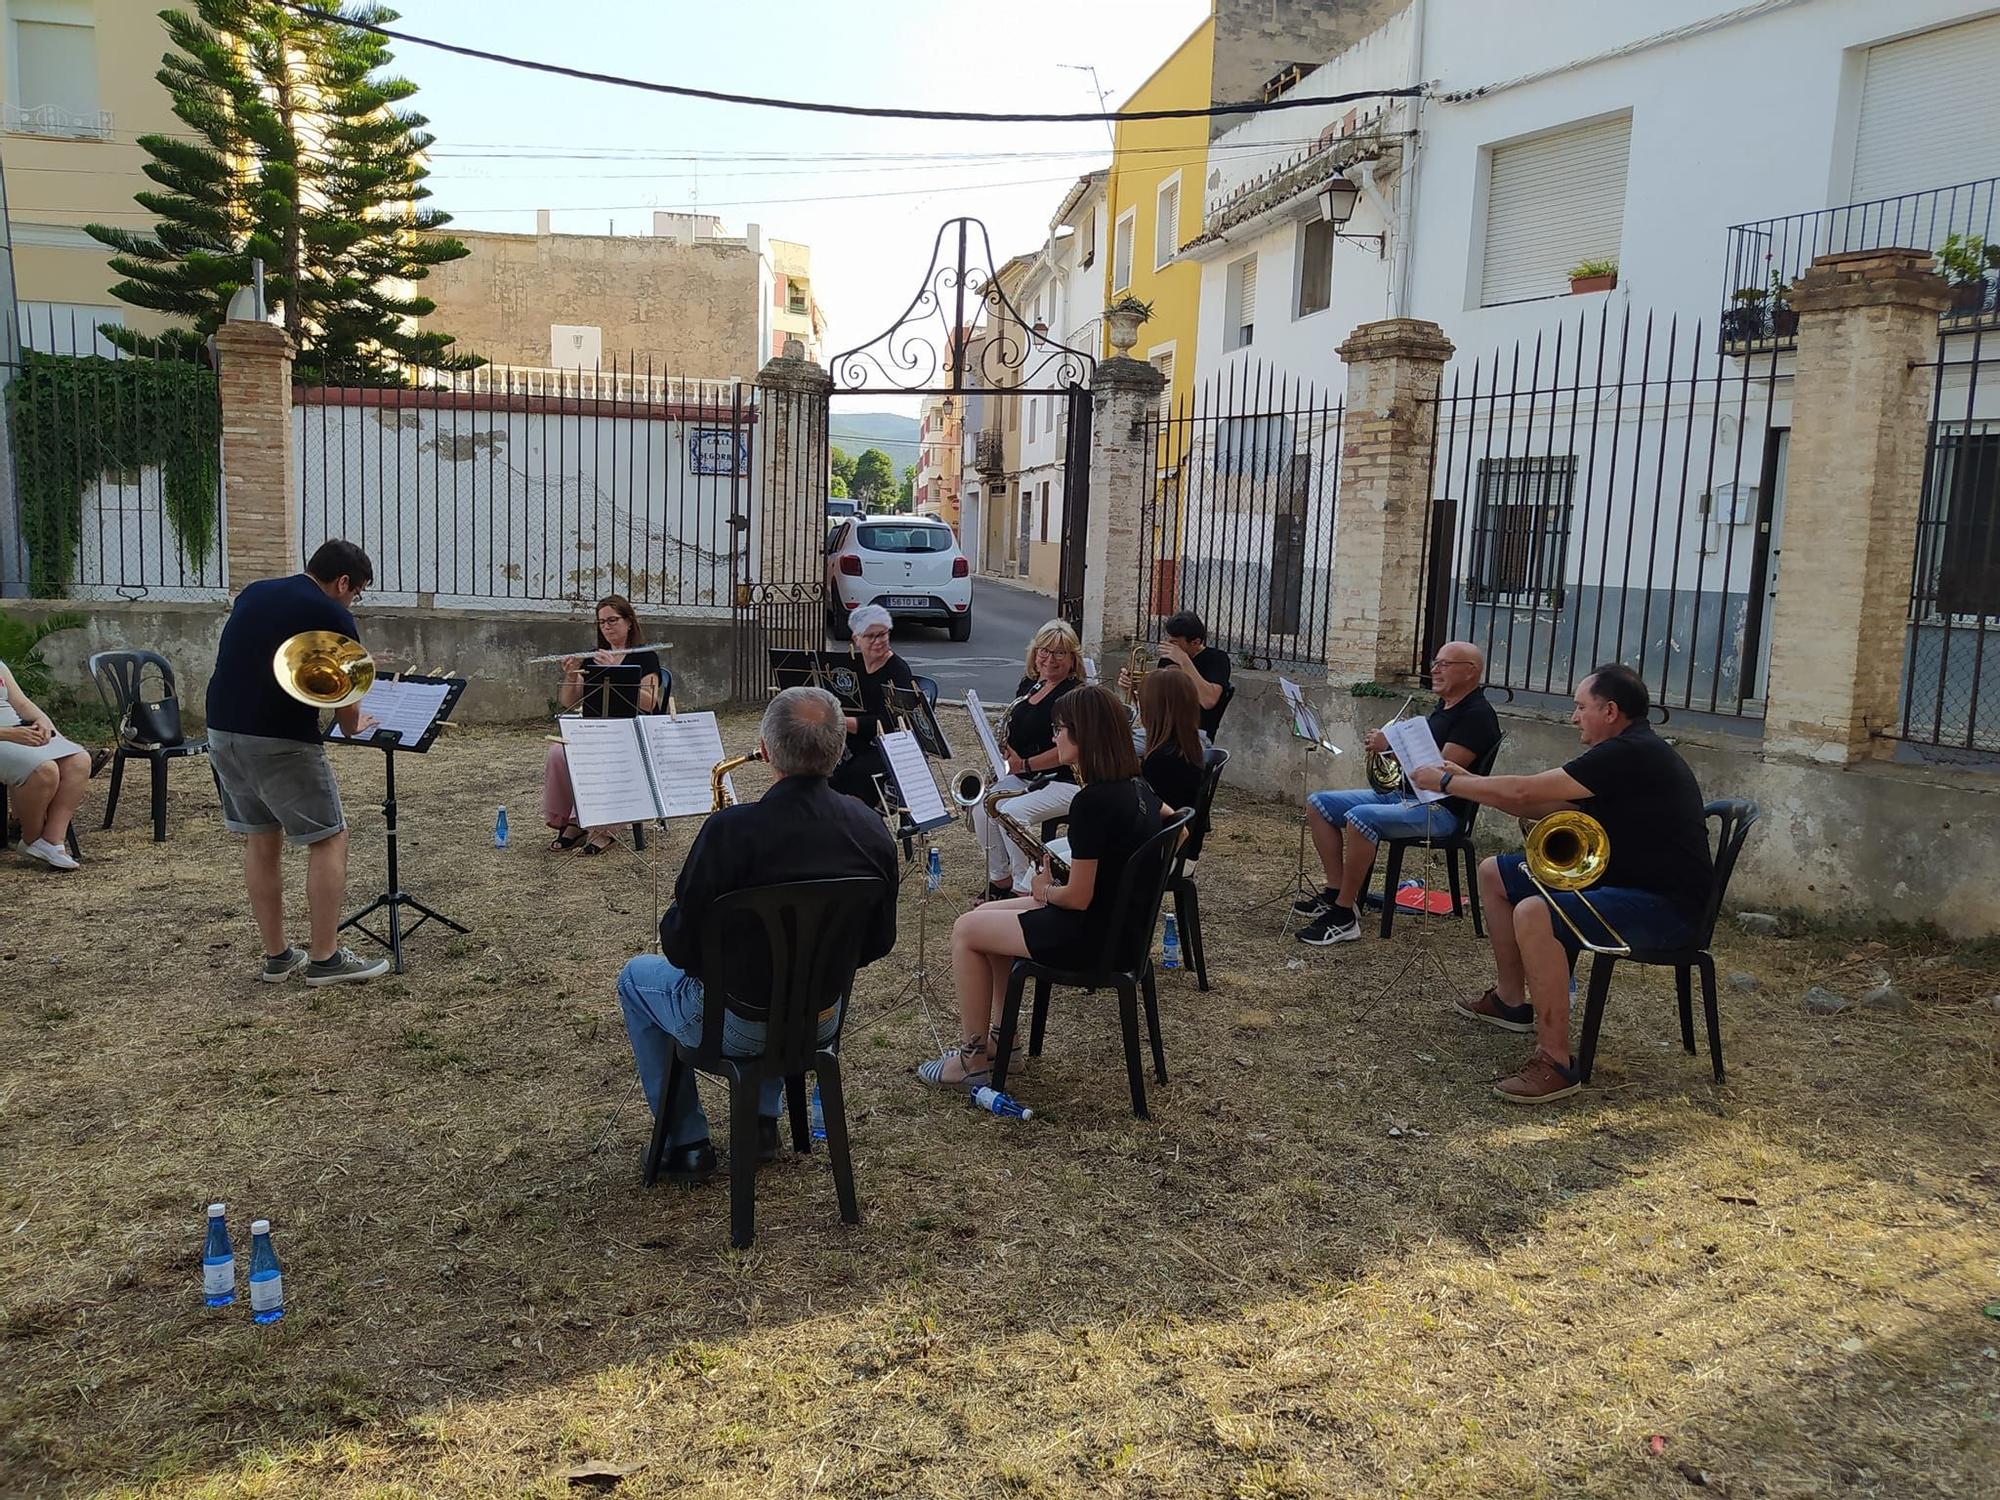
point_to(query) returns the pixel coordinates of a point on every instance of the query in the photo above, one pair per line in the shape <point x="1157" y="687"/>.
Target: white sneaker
<point x="53" y="855"/>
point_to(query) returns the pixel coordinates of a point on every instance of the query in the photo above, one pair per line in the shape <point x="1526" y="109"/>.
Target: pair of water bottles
<point x="218" y="1268"/>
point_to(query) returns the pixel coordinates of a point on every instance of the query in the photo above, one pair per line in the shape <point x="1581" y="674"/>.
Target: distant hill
<point x="856" y="432"/>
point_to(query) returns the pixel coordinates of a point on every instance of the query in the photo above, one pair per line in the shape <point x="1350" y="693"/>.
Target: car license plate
<point x="907" y="601"/>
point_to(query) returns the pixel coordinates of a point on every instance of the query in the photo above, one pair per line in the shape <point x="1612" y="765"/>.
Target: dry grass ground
<point x="1331" y="1263"/>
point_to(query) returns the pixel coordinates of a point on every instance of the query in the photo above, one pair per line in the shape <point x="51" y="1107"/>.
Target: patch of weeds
<point x="416" y="1039"/>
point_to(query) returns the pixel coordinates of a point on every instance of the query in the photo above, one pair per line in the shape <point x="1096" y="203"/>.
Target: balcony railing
<point x="1765" y="257"/>
<point x="986" y="452"/>
<point x="596" y="384"/>
<point x="53" y="119"/>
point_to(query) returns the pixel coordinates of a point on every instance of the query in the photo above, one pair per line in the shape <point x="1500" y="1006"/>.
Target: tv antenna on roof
<point x="1101" y="96"/>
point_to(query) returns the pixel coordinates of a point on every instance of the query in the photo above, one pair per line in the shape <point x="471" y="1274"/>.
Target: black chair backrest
<point x="1734" y="815"/>
<point x="928" y="687"/>
<point x="1482" y="767"/>
<point x="119" y="676"/>
<point x="812" y="932"/>
<point x="1222" y="705"/>
<point x="1212" y="762"/>
<point x="1142" y="886"/>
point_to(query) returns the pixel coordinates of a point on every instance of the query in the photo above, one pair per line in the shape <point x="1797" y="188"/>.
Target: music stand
<point x="918" y="985"/>
<point x="915" y="710"/>
<point x="410" y="723"/>
<point x="833" y="670"/>
<point x="1307" y="733"/>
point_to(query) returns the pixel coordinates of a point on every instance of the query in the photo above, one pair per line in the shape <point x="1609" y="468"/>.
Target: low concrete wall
<point x="489" y="647"/>
<point x="1874" y="842"/>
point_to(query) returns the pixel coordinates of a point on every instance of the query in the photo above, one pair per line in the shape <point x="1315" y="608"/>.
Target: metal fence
<point x="116" y="461"/>
<point x="1951" y="684"/>
<point x="1238" y="522"/>
<point x="526" y="492"/>
<point x="1607" y="492"/>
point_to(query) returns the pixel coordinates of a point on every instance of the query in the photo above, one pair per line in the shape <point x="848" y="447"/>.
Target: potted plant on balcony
<point x="1124" y="316"/>
<point x="1592" y="276"/>
<point x="1784" y="317"/>
<point x="1743" y="321"/>
<point x="1963" y="261"/>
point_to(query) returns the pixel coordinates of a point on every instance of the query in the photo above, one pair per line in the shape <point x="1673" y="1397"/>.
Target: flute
<point x="584" y="656"/>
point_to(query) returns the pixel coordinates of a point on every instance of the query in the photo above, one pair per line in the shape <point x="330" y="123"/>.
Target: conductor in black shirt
<point x="1638" y="787"/>
<point x="801" y="829"/>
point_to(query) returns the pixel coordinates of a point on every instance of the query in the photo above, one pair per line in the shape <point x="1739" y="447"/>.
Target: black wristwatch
<point x="1444" y="782"/>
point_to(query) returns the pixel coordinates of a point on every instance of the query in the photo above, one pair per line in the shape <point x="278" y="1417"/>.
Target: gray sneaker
<point x="285" y="965"/>
<point x="344" y="967"/>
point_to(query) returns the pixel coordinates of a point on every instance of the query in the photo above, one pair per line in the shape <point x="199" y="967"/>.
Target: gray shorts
<point x="267" y="784"/>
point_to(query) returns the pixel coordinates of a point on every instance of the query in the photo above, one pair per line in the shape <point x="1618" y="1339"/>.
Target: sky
<point x="866" y="195"/>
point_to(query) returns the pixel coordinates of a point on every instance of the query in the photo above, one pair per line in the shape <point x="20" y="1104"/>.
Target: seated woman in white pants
<point x="1028" y="740"/>
<point x="45" y="773"/>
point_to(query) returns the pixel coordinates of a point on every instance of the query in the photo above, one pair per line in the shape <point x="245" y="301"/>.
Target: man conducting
<point x="1638" y="787"/>
<point x="270" y="765"/>
<point x="801" y="829"/>
<point x="1347" y="826"/>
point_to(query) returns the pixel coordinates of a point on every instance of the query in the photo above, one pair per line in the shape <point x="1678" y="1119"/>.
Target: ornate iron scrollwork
<point x="960" y="334"/>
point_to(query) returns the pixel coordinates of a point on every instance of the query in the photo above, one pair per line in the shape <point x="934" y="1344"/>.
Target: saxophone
<point x="969" y="791"/>
<point x="718" y="788"/>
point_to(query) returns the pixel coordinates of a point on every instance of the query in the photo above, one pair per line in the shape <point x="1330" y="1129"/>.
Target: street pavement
<point x="1004" y="616"/>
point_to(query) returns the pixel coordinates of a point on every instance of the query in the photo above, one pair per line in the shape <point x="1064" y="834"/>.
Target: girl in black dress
<point x="1170" y="713"/>
<point x="1027" y="739"/>
<point x="881" y="669"/>
<point x="1112" y="814"/>
<point x="611" y="683"/>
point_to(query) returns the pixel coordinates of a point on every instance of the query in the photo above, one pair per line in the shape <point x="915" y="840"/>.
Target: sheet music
<point x="1305" y="722"/>
<point x="404" y="708"/>
<point x="683" y="752"/>
<point x="985" y="732"/>
<point x="1411" y="741"/>
<point x="607" y="770"/>
<point x="914" y="782"/>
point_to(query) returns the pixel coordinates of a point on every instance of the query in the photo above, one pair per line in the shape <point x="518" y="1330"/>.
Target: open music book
<point x="406" y="710"/>
<point x="985" y="732"/>
<point x="1413" y="745"/>
<point x="654" y="766"/>
<point x="915" y="787"/>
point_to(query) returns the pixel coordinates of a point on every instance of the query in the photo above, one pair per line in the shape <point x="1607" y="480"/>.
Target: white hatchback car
<point x="909" y="565"/>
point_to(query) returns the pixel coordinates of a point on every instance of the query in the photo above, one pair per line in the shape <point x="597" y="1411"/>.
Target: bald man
<point x="1347" y="826"/>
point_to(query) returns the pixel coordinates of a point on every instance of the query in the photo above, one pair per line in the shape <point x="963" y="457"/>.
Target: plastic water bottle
<point x="1004" y="1105"/>
<point x="267" y="1285"/>
<point x="933" y="870"/>
<point x="815" y="1115"/>
<point x="500" y="829"/>
<point x="1170" y="944"/>
<point x="218" y="1261"/>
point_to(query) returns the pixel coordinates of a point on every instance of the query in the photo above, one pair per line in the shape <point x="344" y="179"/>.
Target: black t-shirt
<point x="1030" y="729"/>
<point x="243" y="694"/>
<point x="1650" y="805"/>
<point x="1471" y="724"/>
<point x="1108" y="822"/>
<point x="875" y="718"/>
<point x="1170" y="774"/>
<point x="613" y="692"/>
<point x="1211" y="664"/>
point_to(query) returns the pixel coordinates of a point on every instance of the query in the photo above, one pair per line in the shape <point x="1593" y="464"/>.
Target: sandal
<point x="995" y="892"/>
<point x="563" y="842"/>
<point x="932" y="1072"/>
<point x="593" y="848"/>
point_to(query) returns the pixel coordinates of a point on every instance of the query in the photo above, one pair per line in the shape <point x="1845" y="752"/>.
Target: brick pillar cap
<point x="248" y="336"/>
<point x="794" y="375"/>
<point x="1397" y="338"/>
<point x="1121" y="374"/>
<point x="1890" y="277"/>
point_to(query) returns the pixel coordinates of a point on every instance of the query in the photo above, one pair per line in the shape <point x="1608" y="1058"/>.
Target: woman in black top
<point x="1170" y="714"/>
<point x="612" y="683"/>
<point x="1028" y="741"/>
<point x="881" y="669"/>
<point x="1112" y="814"/>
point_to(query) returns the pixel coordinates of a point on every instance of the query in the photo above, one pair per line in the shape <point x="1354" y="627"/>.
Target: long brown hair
<point x="1170" y="710"/>
<point x="1096" y="720"/>
<point x="622" y="607"/>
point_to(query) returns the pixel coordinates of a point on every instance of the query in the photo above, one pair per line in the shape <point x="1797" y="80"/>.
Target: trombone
<point x="1568" y="851"/>
<point x="324" y="668"/>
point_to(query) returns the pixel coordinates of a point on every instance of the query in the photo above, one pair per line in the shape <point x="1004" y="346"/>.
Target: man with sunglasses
<point x="1346" y="827"/>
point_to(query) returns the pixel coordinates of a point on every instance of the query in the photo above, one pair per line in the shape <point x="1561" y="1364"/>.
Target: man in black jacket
<point x="801" y="829"/>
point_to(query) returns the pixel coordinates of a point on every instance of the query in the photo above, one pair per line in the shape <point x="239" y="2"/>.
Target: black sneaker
<point x="1330" y="928"/>
<point x="1312" y="906"/>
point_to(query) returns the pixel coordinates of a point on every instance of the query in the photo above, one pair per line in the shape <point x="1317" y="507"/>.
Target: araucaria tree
<point x="300" y="156"/>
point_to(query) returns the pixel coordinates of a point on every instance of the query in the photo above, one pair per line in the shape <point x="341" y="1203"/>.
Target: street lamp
<point x="1336" y="206"/>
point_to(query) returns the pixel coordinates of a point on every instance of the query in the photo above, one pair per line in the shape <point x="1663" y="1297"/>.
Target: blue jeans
<point x="1642" y="918"/>
<point x="663" y="1006"/>
<point x="1384" y="815"/>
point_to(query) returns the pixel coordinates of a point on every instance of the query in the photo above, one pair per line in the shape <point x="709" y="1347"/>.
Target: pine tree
<point x="303" y="160"/>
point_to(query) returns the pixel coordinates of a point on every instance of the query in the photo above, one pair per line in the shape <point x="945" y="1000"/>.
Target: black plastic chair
<point x="927" y="686"/>
<point x="5" y="831"/>
<point x="1126" y="965"/>
<point x="119" y="675"/>
<point x="1222" y="707"/>
<point x="1734" y="818"/>
<point x="1187" y="900"/>
<point x="812" y="933"/>
<point x="1456" y="846"/>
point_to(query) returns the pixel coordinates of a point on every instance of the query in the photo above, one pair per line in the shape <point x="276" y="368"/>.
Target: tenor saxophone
<point x="718" y="787"/>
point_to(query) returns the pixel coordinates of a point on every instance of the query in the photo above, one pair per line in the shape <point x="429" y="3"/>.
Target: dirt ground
<point x="1330" y="1264"/>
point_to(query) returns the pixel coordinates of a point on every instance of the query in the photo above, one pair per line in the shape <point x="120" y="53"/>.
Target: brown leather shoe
<point x="1542" y="1080"/>
<point x="1494" y="1011"/>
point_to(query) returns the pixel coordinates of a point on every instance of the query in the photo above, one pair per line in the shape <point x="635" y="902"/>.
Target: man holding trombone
<point x="1642" y="850"/>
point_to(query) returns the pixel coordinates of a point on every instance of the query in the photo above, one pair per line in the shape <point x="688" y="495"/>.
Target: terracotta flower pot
<point x="1578" y="285"/>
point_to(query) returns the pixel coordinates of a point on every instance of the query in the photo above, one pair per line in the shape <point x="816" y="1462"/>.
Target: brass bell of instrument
<point x="1385" y="772"/>
<point x="1570" y="851"/>
<point x="324" y="668"/>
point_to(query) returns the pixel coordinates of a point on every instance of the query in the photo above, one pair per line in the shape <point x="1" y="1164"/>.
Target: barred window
<point x="1520" y="532"/>
<point x="1959" y="528"/>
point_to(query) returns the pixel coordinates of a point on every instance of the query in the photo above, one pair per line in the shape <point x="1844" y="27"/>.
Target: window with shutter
<point x="1121" y="250"/>
<point x="1315" y="267"/>
<point x="1239" y="303"/>
<point x="1930" y="115"/>
<point x="56" y="64"/>
<point x="1552" y="201"/>
<point x="1163" y="361"/>
<point x="1167" y="228"/>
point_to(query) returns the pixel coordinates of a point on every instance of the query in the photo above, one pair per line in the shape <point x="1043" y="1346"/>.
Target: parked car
<point x="837" y="507"/>
<point x="910" y="566"/>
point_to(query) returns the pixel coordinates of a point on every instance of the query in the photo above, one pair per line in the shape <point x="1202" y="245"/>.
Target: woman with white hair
<point x="881" y="669"/>
<point x="1028" y="740"/>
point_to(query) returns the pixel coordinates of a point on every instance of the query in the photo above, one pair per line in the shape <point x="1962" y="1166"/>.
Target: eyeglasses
<point x="874" y="635"/>
<point x="1450" y="661"/>
<point x="1061" y="651"/>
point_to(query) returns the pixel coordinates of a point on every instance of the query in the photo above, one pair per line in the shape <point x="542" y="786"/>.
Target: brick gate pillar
<point x="1124" y="394"/>
<point x="260" y="502"/>
<point x="1393" y="368"/>
<point x="1852" y="484"/>
<point x="788" y="496"/>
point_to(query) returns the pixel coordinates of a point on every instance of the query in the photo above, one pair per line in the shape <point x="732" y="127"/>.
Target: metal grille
<point x="1238" y="522"/>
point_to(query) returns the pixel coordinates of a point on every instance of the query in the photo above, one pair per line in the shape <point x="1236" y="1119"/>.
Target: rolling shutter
<point x="1164" y="363"/>
<point x="1167" y="232"/>
<point x="1930" y="112"/>
<point x="1552" y="201"/>
<point x="1249" y="310"/>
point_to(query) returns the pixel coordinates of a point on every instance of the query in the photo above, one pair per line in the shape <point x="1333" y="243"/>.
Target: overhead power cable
<point x="874" y="112"/>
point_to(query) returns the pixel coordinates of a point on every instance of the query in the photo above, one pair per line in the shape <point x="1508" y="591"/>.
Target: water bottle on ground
<point x="267" y="1285"/>
<point x="1004" y="1105"/>
<point x="1170" y="944"/>
<point x="218" y="1261"/>
<point x="500" y="829"/>
<point x="815" y="1115"/>
<point x="933" y="870"/>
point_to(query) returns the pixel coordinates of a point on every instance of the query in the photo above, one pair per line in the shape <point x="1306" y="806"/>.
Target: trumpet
<point x="968" y="790"/>
<point x="585" y="655"/>
<point x="324" y="668"/>
<point x="719" y="789"/>
<point x="1385" y="772"/>
<point x="1568" y="851"/>
<point x="1137" y="665"/>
